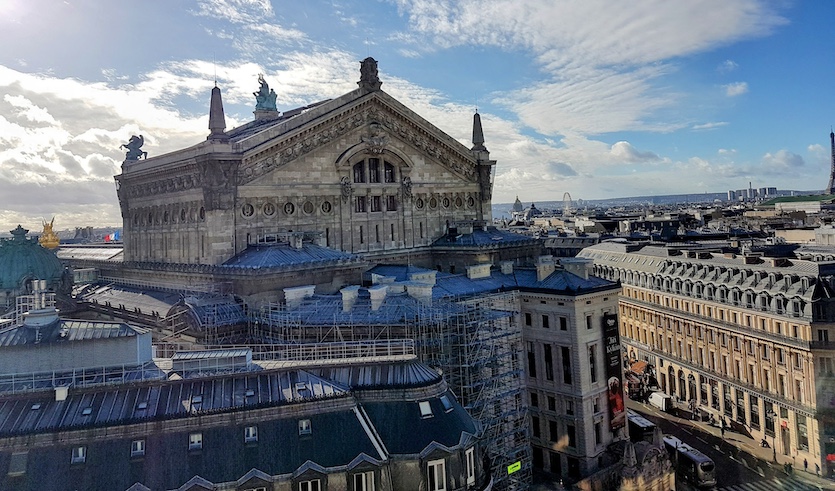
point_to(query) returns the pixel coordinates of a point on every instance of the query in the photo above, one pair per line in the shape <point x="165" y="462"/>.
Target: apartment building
<point x="742" y="337"/>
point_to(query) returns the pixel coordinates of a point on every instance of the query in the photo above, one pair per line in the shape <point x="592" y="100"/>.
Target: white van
<point x="662" y="401"/>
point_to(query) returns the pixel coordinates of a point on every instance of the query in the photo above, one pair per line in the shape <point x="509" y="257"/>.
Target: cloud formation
<point x="735" y="89"/>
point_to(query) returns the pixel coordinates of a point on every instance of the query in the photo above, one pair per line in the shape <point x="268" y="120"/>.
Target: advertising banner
<point x="614" y="371"/>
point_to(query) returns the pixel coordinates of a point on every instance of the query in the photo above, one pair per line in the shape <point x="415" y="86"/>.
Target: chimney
<point x="378" y="295"/>
<point x="293" y="296"/>
<point x="478" y="271"/>
<point x="427" y="277"/>
<point x="544" y="267"/>
<point x="296" y="241"/>
<point x="507" y="267"/>
<point x="349" y="297"/>
<point x="579" y="266"/>
<point x="421" y="292"/>
<point x="61" y="393"/>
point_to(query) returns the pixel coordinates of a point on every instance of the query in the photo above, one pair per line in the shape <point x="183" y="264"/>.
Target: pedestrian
<point x="805" y="465"/>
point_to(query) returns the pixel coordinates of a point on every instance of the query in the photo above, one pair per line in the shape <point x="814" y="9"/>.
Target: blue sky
<point x="599" y="98"/>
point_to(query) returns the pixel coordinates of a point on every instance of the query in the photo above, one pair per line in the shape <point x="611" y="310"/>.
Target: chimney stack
<point x="544" y="267"/>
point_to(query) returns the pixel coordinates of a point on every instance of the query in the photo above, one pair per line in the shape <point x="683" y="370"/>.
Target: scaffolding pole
<point x="476" y="341"/>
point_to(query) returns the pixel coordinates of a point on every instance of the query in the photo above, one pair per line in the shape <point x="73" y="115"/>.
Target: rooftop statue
<point x="133" y="146"/>
<point x="265" y="97"/>
<point x="49" y="238"/>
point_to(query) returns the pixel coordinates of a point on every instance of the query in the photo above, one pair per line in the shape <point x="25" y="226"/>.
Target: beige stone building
<point x="745" y="338"/>
<point x="361" y="173"/>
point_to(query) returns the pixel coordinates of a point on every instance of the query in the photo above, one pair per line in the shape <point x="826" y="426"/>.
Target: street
<point x="737" y="465"/>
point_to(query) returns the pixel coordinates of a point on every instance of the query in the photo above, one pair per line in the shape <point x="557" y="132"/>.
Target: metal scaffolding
<point x="475" y="341"/>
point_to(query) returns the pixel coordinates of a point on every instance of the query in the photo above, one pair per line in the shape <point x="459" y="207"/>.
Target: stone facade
<point x="362" y="173"/>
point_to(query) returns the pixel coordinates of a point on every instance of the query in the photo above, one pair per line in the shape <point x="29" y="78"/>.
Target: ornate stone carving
<point x="407" y="187"/>
<point x="345" y="183"/>
<point x="376" y="139"/>
<point x="218" y="184"/>
<point x="391" y="124"/>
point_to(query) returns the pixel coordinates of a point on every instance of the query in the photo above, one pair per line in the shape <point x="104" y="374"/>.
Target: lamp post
<point x="773" y="416"/>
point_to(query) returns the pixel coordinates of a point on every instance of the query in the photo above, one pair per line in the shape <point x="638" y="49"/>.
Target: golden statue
<point x="48" y="238"/>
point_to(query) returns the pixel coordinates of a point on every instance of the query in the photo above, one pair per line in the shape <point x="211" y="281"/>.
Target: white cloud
<point x="727" y="66"/>
<point x="726" y="151"/>
<point x="735" y="89"/>
<point x="781" y="161"/>
<point x="237" y="11"/>
<point x="709" y="126"/>
<point x="625" y="152"/>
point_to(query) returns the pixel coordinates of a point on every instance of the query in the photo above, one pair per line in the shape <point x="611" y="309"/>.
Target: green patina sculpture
<point x="265" y="97"/>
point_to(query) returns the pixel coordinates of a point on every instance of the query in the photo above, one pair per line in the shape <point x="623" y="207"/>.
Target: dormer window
<point x="446" y="402"/>
<point x="425" y="409"/>
<point x="304" y="427"/>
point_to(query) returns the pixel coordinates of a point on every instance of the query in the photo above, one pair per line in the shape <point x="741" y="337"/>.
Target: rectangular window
<point x="137" y="448"/>
<point x="535" y="427"/>
<point x="534" y="399"/>
<point x="391" y="203"/>
<point x="552" y="403"/>
<point x="563" y="323"/>
<point x="195" y="441"/>
<point x="251" y="434"/>
<point x="312" y="485"/>
<point x="359" y="205"/>
<point x="79" y="455"/>
<point x="531" y="360"/>
<point x="569" y="408"/>
<point x="359" y="172"/>
<point x="528" y="319"/>
<point x="552" y="431"/>
<point x="436" y="475"/>
<point x="545" y="322"/>
<point x="572" y="436"/>
<point x="305" y="427"/>
<point x="593" y="362"/>
<point x="376" y="203"/>
<point x="566" y="365"/>
<point x="364" y="481"/>
<point x="469" y="458"/>
<point x="549" y="363"/>
<point x="588" y="322"/>
<point x="597" y="434"/>
<point x="389" y="172"/>
<point x="374" y="170"/>
<point x="425" y="409"/>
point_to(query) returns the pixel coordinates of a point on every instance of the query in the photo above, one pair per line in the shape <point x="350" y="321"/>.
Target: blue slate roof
<point x="399" y="273"/>
<point x="560" y="281"/>
<point x="398" y="424"/>
<point x="492" y="237"/>
<point x="283" y="255"/>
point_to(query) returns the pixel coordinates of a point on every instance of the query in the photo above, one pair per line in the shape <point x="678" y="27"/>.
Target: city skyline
<point x="647" y="98"/>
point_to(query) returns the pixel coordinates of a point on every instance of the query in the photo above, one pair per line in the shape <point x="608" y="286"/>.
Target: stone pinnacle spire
<point x="217" y="120"/>
<point x="830" y="189"/>
<point x="478" y="133"/>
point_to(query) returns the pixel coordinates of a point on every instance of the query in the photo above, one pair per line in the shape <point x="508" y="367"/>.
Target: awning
<point x="638" y="368"/>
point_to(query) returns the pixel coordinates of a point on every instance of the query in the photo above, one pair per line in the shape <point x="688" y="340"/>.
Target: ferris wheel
<point x="566" y="203"/>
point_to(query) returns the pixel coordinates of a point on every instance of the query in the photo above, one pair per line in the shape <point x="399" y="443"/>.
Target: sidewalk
<point x="764" y="457"/>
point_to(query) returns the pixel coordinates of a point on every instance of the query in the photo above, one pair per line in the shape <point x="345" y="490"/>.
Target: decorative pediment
<point x="380" y="124"/>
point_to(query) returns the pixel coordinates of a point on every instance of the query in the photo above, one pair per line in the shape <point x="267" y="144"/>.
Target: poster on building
<point x="614" y="372"/>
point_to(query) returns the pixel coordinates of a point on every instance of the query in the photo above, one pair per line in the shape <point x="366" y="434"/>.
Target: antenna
<point x="214" y="65"/>
<point x="367" y="47"/>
